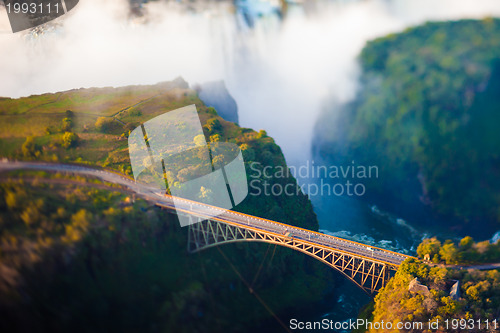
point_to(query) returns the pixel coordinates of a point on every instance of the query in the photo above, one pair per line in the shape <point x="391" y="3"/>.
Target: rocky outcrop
<point x="416" y="287"/>
<point x="216" y="95"/>
<point x="455" y="291"/>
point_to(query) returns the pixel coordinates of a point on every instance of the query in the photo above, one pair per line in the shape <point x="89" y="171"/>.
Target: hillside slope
<point x="427" y="115"/>
<point x="456" y="299"/>
<point x="77" y="255"/>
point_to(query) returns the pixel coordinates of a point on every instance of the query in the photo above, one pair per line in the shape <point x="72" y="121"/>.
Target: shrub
<point x="69" y="139"/>
<point x="30" y="148"/>
<point x="67" y="124"/>
<point x="213" y="125"/>
<point x="104" y="124"/>
<point x="212" y="110"/>
<point x="261" y="134"/>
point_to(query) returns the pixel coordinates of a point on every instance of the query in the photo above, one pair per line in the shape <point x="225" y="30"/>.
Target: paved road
<point x="199" y="209"/>
<point x="481" y="267"/>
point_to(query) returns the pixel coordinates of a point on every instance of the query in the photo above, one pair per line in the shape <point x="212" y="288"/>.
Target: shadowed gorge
<point x="428" y="121"/>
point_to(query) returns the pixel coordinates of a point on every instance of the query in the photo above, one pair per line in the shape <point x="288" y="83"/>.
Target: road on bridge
<point x="202" y="210"/>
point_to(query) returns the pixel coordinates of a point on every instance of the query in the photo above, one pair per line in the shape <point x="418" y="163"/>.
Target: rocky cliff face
<point x="425" y="117"/>
<point x="215" y="94"/>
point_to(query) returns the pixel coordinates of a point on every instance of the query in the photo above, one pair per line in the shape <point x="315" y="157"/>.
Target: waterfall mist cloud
<point x="99" y="45"/>
<point x="313" y="59"/>
<point x="280" y="73"/>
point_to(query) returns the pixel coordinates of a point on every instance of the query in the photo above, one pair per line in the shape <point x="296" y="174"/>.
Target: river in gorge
<point x="319" y="52"/>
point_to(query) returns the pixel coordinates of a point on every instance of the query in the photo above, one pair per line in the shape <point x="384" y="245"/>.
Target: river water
<point x="333" y="38"/>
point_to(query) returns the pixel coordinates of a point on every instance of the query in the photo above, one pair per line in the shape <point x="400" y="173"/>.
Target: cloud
<point x="97" y="44"/>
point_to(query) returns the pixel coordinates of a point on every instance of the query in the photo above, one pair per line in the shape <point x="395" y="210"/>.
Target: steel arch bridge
<point x="369" y="274"/>
<point x="368" y="267"/>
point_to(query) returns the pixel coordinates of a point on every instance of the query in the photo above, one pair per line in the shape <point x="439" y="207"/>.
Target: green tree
<point x="30" y="148"/>
<point x="104" y="124"/>
<point x="215" y="138"/>
<point x="15" y="198"/>
<point x="261" y="134"/>
<point x="428" y="246"/>
<point x="466" y="242"/>
<point x="69" y="139"/>
<point x="66" y="124"/>
<point x="213" y="125"/>
<point x="80" y="223"/>
<point x="248" y="153"/>
<point x="449" y="253"/>
<point x="31" y="215"/>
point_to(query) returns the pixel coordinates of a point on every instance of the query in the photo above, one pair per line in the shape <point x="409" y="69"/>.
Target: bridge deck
<point x="230" y="217"/>
<point x="252" y="222"/>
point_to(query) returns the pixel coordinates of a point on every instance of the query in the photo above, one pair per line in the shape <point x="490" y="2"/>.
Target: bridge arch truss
<point x="368" y="274"/>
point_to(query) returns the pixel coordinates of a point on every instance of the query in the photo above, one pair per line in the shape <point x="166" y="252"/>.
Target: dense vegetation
<point x="465" y="252"/>
<point x="427" y="116"/>
<point x="478" y="294"/>
<point x="478" y="298"/>
<point x="79" y="255"/>
<point x="74" y="257"/>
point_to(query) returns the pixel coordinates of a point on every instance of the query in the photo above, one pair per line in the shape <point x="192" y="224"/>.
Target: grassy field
<point x="93" y="101"/>
<point x="42" y="117"/>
